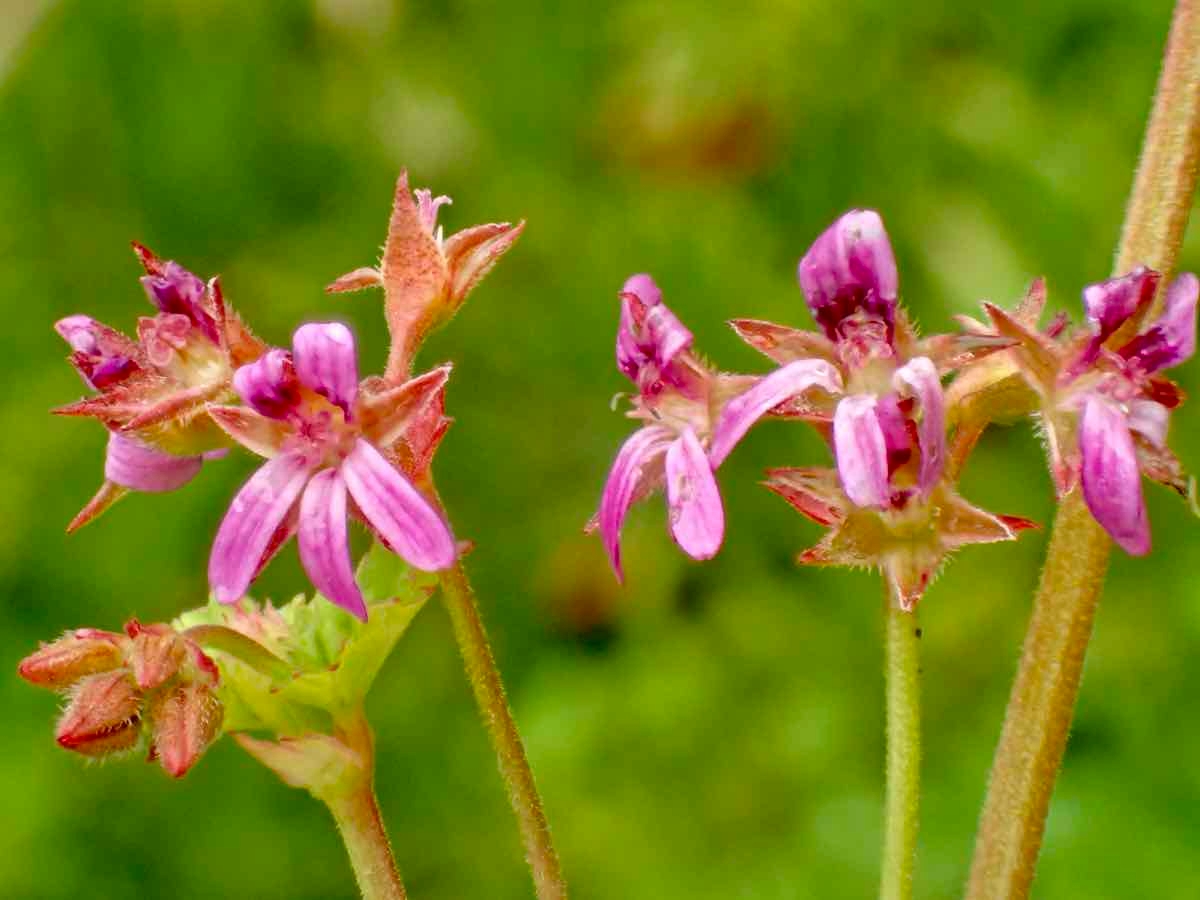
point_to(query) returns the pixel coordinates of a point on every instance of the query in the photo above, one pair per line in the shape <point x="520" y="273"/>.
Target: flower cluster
<point x="875" y="391"/>
<point x="148" y="686"/>
<point x="336" y="448"/>
<point x="196" y="383"/>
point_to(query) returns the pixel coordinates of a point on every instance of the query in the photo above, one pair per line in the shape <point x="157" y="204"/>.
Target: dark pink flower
<point x="685" y="407"/>
<point x="1105" y="409"/>
<point x="152" y="393"/>
<point x="327" y="441"/>
<point x="889" y="503"/>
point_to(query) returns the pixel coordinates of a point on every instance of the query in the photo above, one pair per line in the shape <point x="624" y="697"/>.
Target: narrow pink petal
<point x="919" y="379"/>
<point x="253" y="517"/>
<point x="631" y="476"/>
<point x="861" y="451"/>
<point x="697" y="518"/>
<point x="327" y="362"/>
<point x="131" y="464"/>
<point x="783" y="384"/>
<point x="325" y="542"/>
<point x="269" y="384"/>
<point x="413" y="528"/>
<point x="1112" y="484"/>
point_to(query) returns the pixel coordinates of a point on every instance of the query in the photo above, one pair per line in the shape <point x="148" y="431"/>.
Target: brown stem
<point x="1042" y="703"/>
<point x="502" y="729"/>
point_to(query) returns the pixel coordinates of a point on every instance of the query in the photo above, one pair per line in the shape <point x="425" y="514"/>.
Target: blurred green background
<point x="709" y="731"/>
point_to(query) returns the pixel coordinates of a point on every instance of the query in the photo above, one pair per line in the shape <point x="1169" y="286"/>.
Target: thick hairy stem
<point x="1042" y="704"/>
<point x="902" y="804"/>
<point x="502" y="729"/>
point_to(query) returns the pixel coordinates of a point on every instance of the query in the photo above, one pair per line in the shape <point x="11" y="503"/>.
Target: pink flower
<point x="1105" y="409"/>
<point x="152" y="392"/>
<point x="889" y="503"/>
<point x="685" y="407"/>
<point x="327" y="440"/>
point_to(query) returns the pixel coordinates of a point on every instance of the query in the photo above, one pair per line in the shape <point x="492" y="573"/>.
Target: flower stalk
<point x="360" y="824"/>
<point x="488" y="689"/>
<point x="902" y="803"/>
<point x="1043" y="698"/>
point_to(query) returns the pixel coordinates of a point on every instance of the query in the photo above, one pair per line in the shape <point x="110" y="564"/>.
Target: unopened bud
<point x="156" y="654"/>
<point x="103" y="717"/>
<point x="186" y="720"/>
<point x="77" y="654"/>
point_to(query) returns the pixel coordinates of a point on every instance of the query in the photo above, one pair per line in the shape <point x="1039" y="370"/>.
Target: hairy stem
<point x="502" y="729"/>
<point x="356" y="813"/>
<point x="902" y="803"/>
<point x="1042" y="703"/>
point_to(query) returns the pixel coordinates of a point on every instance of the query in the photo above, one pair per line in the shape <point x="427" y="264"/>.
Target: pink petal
<point x="253" y="517"/>
<point x="1171" y="339"/>
<point x="1110" y="303"/>
<point x="861" y="451"/>
<point x="327" y="362"/>
<point x="269" y="384"/>
<point x="648" y="330"/>
<point x="783" y="384"/>
<point x="1112" y="484"/>
<point x="131" y="464"/>
<point x="397" y="510"/>
<point x="427" y="207"/>
<point x="697" y="518"/>
<point x="850" y="267"/>
<point x="919" y="379"/>
<point x="631" y="476"/>
<point x="325" y="542"/>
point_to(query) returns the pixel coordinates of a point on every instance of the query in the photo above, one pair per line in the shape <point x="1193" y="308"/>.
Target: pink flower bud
<point x="103" y="716"/>
<point x="155" y="655"/>
<point x="186" y="720"/>
<point x="77" y="654"/>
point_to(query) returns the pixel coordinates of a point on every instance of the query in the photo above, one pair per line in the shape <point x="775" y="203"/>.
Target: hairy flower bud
<point x="77" y="654"/>
<point x="185" y="720"/>
<point x="155" y="655"/>
<point x="103" y="716"/>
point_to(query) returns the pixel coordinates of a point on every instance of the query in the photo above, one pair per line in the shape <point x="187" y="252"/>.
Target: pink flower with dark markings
<point x="1105" y="405"/>
<point x="685" y="407"/>
<point x="152" y="392"/>
<point x="330" y="444"/>
<point x="889" y="503"/>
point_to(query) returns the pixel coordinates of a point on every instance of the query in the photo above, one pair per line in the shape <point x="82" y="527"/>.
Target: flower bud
<point x="186" y="720"/>
<point x="103" y="717"/>
<point x="77" y="654"/>
<point x="156" y="653"/>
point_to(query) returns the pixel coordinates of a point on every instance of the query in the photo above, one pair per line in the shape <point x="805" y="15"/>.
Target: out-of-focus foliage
<point x="711" y="731"/>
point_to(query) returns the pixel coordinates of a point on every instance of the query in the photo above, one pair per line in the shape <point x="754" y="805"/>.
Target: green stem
<point x="902" y="803"/>
<point x="1042" y="703"/>
<point x="359" y="822"/>
<point x="357" y="816"/>
<point x="502" y="729"/>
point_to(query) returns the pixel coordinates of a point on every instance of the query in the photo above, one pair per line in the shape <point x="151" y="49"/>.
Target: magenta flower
<point x="685" y="407"/>
<point x="889" y="503"/>
<point x="152" y="393"/>
<point x="1105" y="409"/>
<point x="327" y="440"/>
